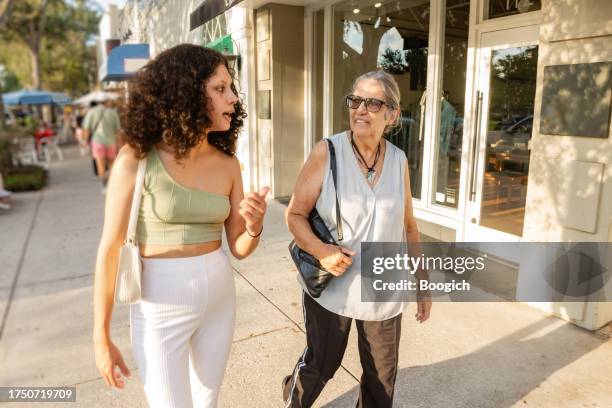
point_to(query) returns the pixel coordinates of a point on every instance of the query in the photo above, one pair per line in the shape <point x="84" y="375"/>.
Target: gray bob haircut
<point x="391" y="90"/>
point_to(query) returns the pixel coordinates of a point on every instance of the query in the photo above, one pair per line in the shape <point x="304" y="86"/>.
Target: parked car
<point x="515" y="137"/>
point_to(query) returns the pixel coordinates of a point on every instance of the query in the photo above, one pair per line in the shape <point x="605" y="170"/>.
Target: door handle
<point x="422" y="123"/>
<point x="473" y="176"/>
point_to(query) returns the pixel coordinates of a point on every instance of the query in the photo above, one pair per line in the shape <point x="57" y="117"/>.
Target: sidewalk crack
<point x="20" y="266"/>
<point x="296" y="324"/>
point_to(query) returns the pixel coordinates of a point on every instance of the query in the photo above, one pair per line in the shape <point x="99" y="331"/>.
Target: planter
<point x="25" y="178"/>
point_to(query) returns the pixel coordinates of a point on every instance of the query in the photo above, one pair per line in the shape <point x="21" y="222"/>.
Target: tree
<point x="68" y="61"/>
<point x="8" y="80"/>
<point x="392" y="61"/>
<point x="29" y="24"/>
<point x="513" y="79"/>
<point x="52" y="41"/>
<point x="5" y="11"/>
<point x="59" y="53"/>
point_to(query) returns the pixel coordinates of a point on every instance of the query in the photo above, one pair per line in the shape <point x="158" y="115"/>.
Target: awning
<point x="208" y="10"/>
<point x="34" y="97"/>
<point x="123" y="62"/>
<point x="224" y="45"/>
<point x="97" y="96"/>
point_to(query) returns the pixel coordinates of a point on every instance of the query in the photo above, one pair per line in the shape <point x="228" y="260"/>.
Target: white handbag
<point x="128" y="282"/>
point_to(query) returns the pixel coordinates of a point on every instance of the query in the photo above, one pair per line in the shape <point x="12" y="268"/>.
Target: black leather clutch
<point x="312" y="274"/>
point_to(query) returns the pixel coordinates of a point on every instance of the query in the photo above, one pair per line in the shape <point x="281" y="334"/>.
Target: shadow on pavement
<point x="498" y="375"/>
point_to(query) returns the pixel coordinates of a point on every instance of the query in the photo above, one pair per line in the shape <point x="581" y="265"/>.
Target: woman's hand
<point x="423" y="306"/>
<point x="336" y="259"/>
<point x="253" y="209"/>
<point x="108" y="357"/>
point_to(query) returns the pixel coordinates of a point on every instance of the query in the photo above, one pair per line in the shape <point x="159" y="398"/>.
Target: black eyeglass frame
<point x="368" y="103"/>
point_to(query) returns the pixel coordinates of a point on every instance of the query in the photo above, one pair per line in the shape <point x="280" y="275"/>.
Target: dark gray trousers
<point x="326" y="339"/>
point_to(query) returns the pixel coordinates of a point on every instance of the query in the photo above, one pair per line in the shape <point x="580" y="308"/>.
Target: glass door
<point x="504" y="105"/>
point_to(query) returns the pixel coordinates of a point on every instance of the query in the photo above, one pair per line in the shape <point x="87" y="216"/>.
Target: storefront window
<point x="392" y="36"/>
<point x="450" y="125"/>
<point x="510" y="123"/>
<point x="214" y="29"/>
<point x="502" y="8"/>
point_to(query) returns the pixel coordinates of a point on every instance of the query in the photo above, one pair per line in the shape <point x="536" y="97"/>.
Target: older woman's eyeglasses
<point x="372" y="104"/>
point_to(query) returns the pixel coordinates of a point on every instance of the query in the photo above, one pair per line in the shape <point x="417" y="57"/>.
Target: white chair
<point x="25" y="151"/>
<point x="49" y="145"/>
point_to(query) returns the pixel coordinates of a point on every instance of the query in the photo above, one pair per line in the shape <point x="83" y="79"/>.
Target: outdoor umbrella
<point x="34" y="97"/>
<point x="98" y="96"/>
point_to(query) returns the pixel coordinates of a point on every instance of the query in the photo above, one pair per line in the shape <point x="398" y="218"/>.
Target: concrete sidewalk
<point x="467" y="355"/>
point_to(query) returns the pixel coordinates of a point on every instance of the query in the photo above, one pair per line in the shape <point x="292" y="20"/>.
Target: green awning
<point x="224" y="45"/>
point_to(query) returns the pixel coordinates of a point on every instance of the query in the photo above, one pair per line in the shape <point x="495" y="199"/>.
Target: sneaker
<point x="5" y="206"/>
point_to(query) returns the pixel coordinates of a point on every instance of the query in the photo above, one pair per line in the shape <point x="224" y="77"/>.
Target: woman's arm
<point x="410" y="225"/>
<point x="307" y="190"/>
<point x="116" y="217"/>
<point x="244" y="225"/>
<point x="414" y="249"/>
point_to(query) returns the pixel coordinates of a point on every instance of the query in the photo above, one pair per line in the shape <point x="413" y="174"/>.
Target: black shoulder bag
<point x="314" y="277"/>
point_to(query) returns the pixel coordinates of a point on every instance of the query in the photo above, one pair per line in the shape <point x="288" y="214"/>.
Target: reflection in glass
<point x="450" y="134"/>
<point x="510" y="120"/>
<point x="501" y="8"/>
<point x="392" y="37"/>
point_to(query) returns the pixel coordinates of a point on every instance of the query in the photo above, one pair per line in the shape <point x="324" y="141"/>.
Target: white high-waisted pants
<point x="182" y="329"/>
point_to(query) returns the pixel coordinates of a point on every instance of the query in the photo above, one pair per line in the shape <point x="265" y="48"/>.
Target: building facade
<point x="505" y="104"/>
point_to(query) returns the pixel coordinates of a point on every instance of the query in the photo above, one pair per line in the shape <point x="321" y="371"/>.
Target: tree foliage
<point x="513" y="78"/>
<point x="28" y="25"/>
<point x="8" y="80"/>
<point x="57" y="35"/>
<point x="5" y="11"/>
<point x="69" y="65"/>
<point x="393" y="62"/>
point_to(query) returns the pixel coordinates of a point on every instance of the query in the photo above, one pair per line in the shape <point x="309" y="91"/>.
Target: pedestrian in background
<point x="374" y="191"/>
<point x="184" y="115"/>
<point x="67" y="119"/>
<point x="79" y="134"/>
<point x="101" y="127"/>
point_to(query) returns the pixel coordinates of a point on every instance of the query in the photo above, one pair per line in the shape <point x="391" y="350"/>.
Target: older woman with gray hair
<point x="374" y="190"/>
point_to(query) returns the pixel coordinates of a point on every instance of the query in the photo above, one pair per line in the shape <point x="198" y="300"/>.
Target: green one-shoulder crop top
<point x="174" y="214"/>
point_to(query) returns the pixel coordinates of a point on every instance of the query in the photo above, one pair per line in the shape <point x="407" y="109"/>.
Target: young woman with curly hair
<point x="184" y="116"/>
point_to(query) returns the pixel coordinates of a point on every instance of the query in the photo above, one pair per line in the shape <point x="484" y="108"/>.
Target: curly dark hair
<point x="167" y="102"/>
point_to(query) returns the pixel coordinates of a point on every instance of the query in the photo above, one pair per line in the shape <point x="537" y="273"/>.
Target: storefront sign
<point x="209" y="10"/>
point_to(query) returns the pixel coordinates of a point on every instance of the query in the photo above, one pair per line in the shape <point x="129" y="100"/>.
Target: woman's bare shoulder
<point x="319" y="151"/>
<point x="227" y="162"/>
<point x="127" y="161"/>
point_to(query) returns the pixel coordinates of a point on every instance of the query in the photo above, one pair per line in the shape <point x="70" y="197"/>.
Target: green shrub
<point x="25" y="178"/>
<point x="6" y="146"/>
<point x="5" y="151"/>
